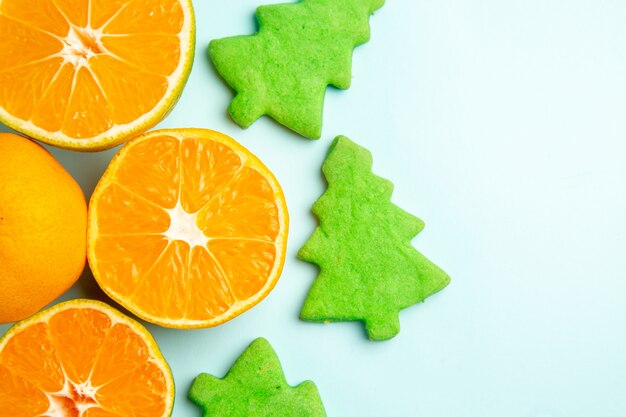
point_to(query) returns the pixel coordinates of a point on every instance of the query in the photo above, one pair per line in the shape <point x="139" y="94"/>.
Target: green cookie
<point x="255" y="387"/>
<point x="284" y="69"/>
<point x="368" y="269"/>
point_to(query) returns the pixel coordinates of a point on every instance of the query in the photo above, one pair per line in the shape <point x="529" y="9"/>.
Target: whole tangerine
<point x="43" y="224"/>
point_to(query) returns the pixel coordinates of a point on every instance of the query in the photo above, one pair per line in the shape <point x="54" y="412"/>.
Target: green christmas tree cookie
<point x="255" y="387"/>
<point x="368" y="269"/>
<point x="284" y="69"/>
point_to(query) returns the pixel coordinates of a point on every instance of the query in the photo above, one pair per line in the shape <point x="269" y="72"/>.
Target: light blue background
<point x="502" y="124"/>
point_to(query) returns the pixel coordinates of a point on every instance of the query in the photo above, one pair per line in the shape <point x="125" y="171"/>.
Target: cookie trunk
<point x="245" y="109"/>
<point x="383" y="326"/>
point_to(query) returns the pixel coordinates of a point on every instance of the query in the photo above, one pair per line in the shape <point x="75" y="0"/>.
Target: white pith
<point x="183" y="227"/>
<point x="77" y="54"/>
<point x="57" y="407"/>
<point x="74" y="49"/>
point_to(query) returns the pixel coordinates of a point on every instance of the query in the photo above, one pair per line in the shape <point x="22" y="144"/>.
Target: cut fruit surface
<point x="89" y="74"/>
<point x="187" y="228"/>
<point x="83" y="358"/>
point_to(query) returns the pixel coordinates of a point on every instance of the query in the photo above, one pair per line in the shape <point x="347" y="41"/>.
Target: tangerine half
<point x="82" y="358"/>
<point x="187" y="228"/>
<point x="89" y="74"/>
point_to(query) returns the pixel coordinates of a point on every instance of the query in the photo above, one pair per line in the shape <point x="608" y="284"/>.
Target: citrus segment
<point x="75" y="11"/>
<point x="16" y="39"/>
<point x="77" y="350"/>
<point x="123" y="398"/>
<point x="164" y="16"/>
<point x="140" y="89"/>
<point x="39" y="14"/>
<point x="121" y="349"/>
<point x="250" y="261"/>
<point x="94" y="361"/>
<point x="19" y="398"/>
<point x="244" y="209"/>
<point x="217" y="241"/>
<point x="135" y="215"/>
<point x="28" y="352"/>
<point x="207" y="167"/>
<point x="49" y="117"/>
<point x="87" y="75"/>
<point x="209" y="294"/>
<point x="88" y="110"/>
<point x="117" y="258"/>
<point x="102" y="11"/>
<point x="98" y="412"/>
<point x="146" y="51"/>
<point x="40" y="74"/>
<point x="155" y="290"/>
<point x="152" y="171"/>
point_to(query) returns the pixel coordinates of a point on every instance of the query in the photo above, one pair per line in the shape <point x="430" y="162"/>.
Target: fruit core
<point x="80" y="44"/>
<point x="72" y="401"/>
<point x="183" y="226"/>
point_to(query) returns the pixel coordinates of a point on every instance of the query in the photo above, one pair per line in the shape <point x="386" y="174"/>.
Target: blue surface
<point x="502" y="125"/>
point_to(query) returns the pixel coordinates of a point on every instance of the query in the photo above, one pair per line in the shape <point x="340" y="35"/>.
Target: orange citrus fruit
<point x="43" y="228"/>
<point x="187" y="228"/>
<point x="82" y="358"/>
<point x="89" y="74"/>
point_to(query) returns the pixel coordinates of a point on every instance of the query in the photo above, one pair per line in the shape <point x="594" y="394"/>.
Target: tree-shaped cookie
<point x="368" y="269"/>
<point x="284" y="69"/>
<point x="255" y="387"/>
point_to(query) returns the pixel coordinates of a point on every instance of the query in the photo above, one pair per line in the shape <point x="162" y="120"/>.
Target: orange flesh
<point x="80" y="67"/>
<point x="229" y="219"/>
<point x="80" y="362"/>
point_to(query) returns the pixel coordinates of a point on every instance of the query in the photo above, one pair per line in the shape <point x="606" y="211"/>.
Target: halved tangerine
<point x="187" y="228"/>
<point x="82" y="358"/>
<point x="89" y="74"/>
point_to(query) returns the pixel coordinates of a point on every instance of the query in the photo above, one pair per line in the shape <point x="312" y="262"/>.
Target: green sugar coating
<point x="284" y="69"/>
<point x="255" y="387"/>
<point x="368" y="269"/>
